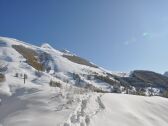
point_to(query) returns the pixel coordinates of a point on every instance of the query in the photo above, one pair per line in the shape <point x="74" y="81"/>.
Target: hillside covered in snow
<point x="42" y="86"/>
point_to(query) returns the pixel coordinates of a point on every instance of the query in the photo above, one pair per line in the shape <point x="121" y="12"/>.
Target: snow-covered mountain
<point x="42" y="86"/>
<point x="166" y="74"/>
<point x="21" y="57"/>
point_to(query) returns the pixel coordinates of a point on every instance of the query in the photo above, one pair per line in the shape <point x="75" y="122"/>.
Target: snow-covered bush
<point x="93" y="88"/>
<point x="16" y="74"/>
<point x="105" y="79"/>
<point x="116" y="89"/>
<point x="140" y="91"/>
<point x="3" y="67"/>
<point x="77" y="78"/>
<point x="38" y="73"/>
<point x="55" y="84"/>
<point x="165" y="94"/>
<point x="2" y="77"/>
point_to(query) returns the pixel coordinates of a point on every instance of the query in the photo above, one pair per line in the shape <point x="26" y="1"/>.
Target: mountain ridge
<point x="40" y="86"/>
<point x="82" y="73"/>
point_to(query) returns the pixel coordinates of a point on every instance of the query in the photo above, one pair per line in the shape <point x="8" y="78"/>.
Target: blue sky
<point x="119" y="35"/>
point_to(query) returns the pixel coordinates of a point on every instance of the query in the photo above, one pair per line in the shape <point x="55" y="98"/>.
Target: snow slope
<point x="60" y="66"/>
<point x="42" y="108"/>
<point x="36" y="103"/>
<point x="129" y="110"/>
<point x="36" y="108"/>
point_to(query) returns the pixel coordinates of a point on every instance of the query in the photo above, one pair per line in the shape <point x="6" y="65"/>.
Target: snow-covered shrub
<point x="93" y="88"/>
<point x="55" y="84"/>
<point x="48" y="69"/>
<point x="38" y="73"/>
<point x="106" y="79"/>
<point x="21" y="75"/>
<point x="2" y="77"/>
<point x="16" y="74"/>
<point x="77" y="78"/>
<point x="89" y="77"/>
<point x="165" y="94"/>
<point x="3" y="67"/>
<point x="140" y="91"/>
<point x="116" y="89"/>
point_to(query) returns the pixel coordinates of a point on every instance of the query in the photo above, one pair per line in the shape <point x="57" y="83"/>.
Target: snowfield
<point x="129" y="110"/>
<point x="37" y="103"/>
<point x="52" y="108"/>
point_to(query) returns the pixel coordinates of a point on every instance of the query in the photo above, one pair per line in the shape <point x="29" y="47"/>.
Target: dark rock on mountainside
<point x="142" y="78"/>
<point x="166" y="74"/>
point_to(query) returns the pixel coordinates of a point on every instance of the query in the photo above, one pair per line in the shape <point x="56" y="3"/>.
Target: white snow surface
<point x="130" y="110"/>
<point x="37" y="104"/>
<point x="52" y="108"/>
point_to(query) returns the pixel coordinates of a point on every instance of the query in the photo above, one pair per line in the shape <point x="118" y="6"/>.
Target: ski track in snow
<point x="81" y="117"/>
<point x="37" y="107"/>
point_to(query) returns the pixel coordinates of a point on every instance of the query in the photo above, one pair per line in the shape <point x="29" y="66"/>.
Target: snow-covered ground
<point x="37" y="108"/>
<point x="130" y="110"/>
<point x="53" y="108"/>
<point x="35" y="103"/>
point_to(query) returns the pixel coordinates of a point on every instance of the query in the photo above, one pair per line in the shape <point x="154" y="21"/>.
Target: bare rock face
<point x="144" y="79"/>
<point x="151" y="78"/>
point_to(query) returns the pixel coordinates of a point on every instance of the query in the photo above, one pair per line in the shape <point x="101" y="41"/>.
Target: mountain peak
<point x="46" y="45"/>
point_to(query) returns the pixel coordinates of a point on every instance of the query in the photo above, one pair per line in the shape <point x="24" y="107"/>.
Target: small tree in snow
<point x="16" y="75"/>
<point x="25" y="77"/>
